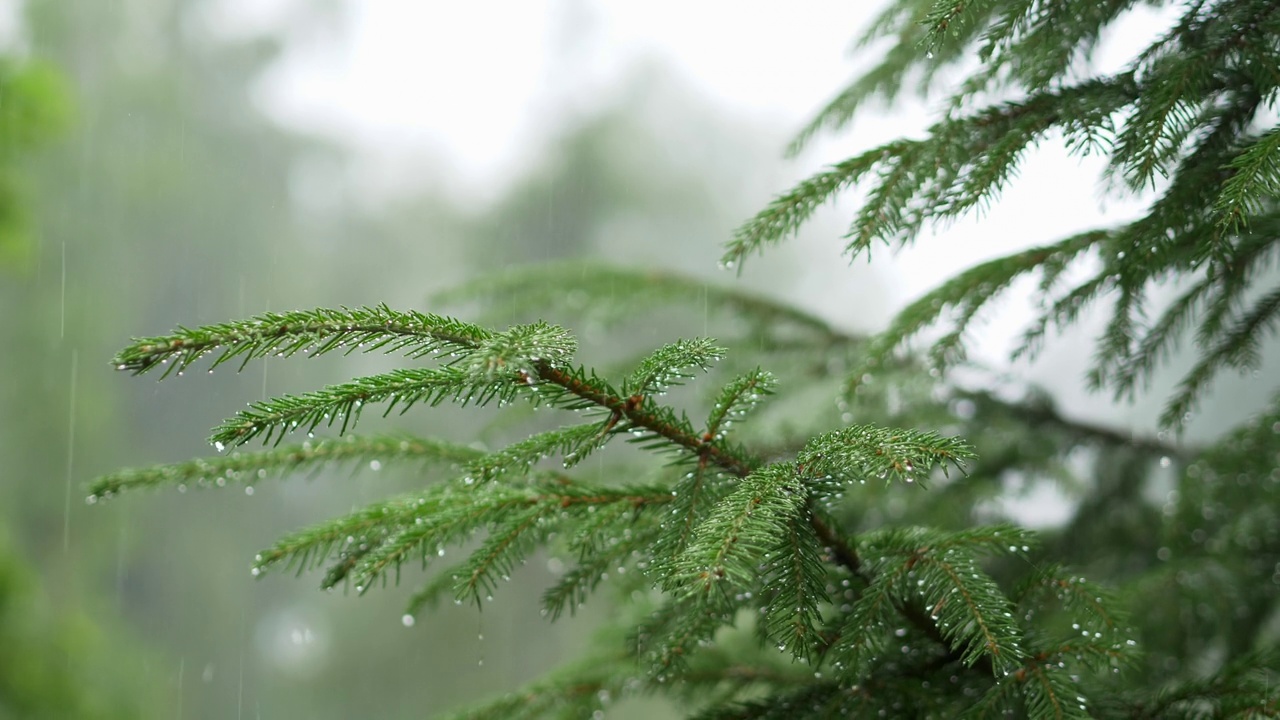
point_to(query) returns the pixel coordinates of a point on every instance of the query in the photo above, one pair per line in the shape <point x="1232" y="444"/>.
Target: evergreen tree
<point x="773" y="554"/>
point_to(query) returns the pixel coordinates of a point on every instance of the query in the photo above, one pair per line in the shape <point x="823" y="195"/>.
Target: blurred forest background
<point x="144" y="186"/>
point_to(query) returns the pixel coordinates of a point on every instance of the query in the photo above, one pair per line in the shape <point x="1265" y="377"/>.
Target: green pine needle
<point x="249" y="468"/>
<point x="315" y="332"/>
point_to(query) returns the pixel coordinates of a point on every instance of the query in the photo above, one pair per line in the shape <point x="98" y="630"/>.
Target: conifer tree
<point x="850" y="558"/>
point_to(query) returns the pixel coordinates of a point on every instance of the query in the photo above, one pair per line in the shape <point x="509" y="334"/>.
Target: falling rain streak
<point x="62" y="293"/>
<point x="71" y="446"/>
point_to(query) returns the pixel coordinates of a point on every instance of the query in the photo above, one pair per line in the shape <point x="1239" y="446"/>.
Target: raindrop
<point x="407" y="620"/>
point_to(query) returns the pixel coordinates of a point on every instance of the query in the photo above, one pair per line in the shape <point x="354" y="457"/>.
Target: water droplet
<point x="407" y="620"/>
<point x="217" y="445"/>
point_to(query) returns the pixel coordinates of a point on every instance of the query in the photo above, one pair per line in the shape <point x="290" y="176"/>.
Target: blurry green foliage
<point x="56" y="663"/>
<point x="35" y="108"/>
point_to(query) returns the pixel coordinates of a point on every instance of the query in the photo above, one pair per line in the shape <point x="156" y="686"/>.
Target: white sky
<point x="475" y="81"/>
<point x="478" y="84"/>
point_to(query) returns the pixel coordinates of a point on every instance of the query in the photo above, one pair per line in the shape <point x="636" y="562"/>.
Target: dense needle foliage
<point x="788" y="556"/>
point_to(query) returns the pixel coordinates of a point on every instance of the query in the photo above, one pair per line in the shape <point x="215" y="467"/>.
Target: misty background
<point x="222" y="158"/>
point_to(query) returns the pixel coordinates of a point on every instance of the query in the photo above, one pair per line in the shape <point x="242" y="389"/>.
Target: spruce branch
<point x="1243" y="688"/>
<point x="816" y="700"/>
<point x="356" y="532"/>
<point x="916" y="58"/>
<point x="591" y="286"/>
<point x="940" y="571"/>
<point x="670" y="364"/>
<point x="966" y="294"/>
<point x="692" y="496"/>
<point x="962" y="163"/>
<point x="515" y="517"/>
<point x="1090" y="605"/>
<point x="1239" y="347"/>
<point x="591" y="290"/>
<point x="794" y="588"/>
<point x="787" y="213"/>
<point x="1254" y="182"/>
<point x="729" y="546"/>
<point x="861" y="452"/>
<point x="274" y="418"/>
<point x="849" y="453"/>
<point x="429" y="595"/>
<point x="519" y="351"/>
<point x="316" y="331"/>
<point x="948" y="17"/>
<point x="573" y="443"/>
<point x="737" y="398"/>
<point x="573" y="588"/>
<point x="249" y="468"/>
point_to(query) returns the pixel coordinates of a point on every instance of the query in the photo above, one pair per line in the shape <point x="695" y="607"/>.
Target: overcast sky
<point x="477" y="84"/>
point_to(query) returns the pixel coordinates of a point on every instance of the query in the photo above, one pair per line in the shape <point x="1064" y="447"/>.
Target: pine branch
<point x="1091" y="607"/>
<point x="729" y="546"/>
<point x="692" y="498"/>
<point x="515" y="517"/>
<point x="1238" y="348"/>
<point x="592" y="568"/>
<point x="966" y="294"/>
<point x="817" y="700"/>
<point x="273" y="419"/>
<point x="314" y="331"/>
<point x="669" y="365"/>
<point x="1254" y="183"/>
<point x="786" y="214"/>
<point x="249" y="468"/>
<point x="962" y="163"/>
<point x="573" y="443"/>
<point x="359" y="531"/>
<point x="939" y="570"/>
<point x="737" y="398"/>
<point x="1244" y="688"/>
<point x="591" y="290"/>
<point x="794" y="589"/>
<point x="861" y="452"/>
